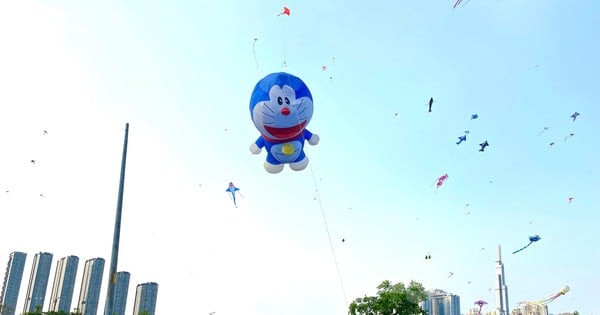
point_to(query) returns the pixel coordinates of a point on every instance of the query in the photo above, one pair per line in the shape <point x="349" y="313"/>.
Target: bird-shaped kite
<point x="430" y="103"/>
<point x="232" y="189"/>
<point x="474" y="116"/>
<point x="574" y="116"/>
<point x="533" y="238"/>
<point x="571" y="199"/>
<point x="483" y="145"/>
<point x="461" y="139"/>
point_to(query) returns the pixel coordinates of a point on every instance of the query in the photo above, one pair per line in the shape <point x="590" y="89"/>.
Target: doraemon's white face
<point x="283" y="116"/>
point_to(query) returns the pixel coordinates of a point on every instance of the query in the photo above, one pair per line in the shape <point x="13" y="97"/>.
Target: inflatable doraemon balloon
<point x="281" y="106"/>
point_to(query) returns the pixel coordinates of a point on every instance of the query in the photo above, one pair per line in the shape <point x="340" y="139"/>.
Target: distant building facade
<point x="91" y="283"/>
<point x="121" y="290"/>
<point x="440" y="302"/>
<point x="145" y="298"/>
<point x="531" y="309"/>
<point x="12" y="283"/>
<point x="38" y="282"/>
<point x="64" y="284"/>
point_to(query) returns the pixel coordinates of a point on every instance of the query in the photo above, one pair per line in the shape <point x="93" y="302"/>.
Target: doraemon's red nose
<point x="285" y="111"/>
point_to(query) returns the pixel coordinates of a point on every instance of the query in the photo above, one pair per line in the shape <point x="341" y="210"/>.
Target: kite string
<point x="337" y="267"/>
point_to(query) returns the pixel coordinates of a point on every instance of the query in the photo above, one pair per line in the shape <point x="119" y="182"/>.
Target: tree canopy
<point x="391" y="299"/>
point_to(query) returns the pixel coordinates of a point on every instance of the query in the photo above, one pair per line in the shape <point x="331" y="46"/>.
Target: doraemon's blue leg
<point x="272" y="165"/>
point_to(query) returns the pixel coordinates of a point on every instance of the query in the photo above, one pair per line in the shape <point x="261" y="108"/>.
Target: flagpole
<point x="114" y="257"/>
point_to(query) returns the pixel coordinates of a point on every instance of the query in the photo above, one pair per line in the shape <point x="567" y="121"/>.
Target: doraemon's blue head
<point x="281" y="106"/>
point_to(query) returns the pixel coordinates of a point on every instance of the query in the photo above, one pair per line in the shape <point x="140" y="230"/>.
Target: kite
<point x="480" y="303"/>
<point x="532" y="239"/>
<point x="551" y="143"/>
<point x="324" y="68"/>
<point x="458" y="2"/>
<point x="441" y="180"/>
<point x="548" y="298"/>
<point x="430" y="103"/>
<point x="254" y="52"/>
<point x="574" y="116"/>
<point x="569" y="136"/>
<point x="544" y="130"/>
<point x="428" y="256"/>
<point x="232" y="189"/>
<point x="474" y="116"/>
<point x="281" y="106"/>
<point x="483" y="145"/>
<point x="461" y="139"/>
<point x="450" y="274"/>
<point x="45" y="132"/>
<point x="571" y="199"/>
<point x="285" y="11"/>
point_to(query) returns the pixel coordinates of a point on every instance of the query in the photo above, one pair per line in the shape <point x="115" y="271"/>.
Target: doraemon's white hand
<point x="254" y="148"/>
<point x="313" y="140"/>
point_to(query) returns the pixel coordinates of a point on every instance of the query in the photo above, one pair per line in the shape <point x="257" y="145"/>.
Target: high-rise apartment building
<point x="121" y="290"/>
<point x="502" y="305"/>
<point x="38" y="282"/>
<point x="145" y="298"/>
<point x="91" y="283"/>
<point x="64" y="284"/>
<point x="441" y="303"/>
<point x="12" y="283"/>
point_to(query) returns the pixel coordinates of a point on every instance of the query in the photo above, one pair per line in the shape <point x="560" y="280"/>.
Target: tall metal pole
<point x="114" y="257"/>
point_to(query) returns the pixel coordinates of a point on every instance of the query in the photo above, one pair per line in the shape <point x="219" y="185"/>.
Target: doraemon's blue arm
<point x="257" y="145"/>
<point x="310" y="137"/>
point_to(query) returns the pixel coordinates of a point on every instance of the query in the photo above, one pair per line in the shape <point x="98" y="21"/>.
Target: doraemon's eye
<point x="279" y="100"/>
<point x="287" y="101"/>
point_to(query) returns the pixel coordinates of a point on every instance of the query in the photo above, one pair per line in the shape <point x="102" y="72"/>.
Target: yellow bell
<point x="287" y="149"/>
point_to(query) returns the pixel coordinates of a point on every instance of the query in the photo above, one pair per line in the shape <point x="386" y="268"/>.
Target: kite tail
<point x="254" y="53"/>
<point x="518" y="250"/>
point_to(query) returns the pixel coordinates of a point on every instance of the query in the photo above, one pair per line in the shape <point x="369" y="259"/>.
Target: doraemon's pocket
<point x="287" y="152"/>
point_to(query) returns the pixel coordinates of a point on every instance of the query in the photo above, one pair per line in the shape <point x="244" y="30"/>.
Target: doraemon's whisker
<point x="272" y="116"/>
<point x="269" y="122"/>
<point x="302" y="111"/>
<point x="267" y="106"/>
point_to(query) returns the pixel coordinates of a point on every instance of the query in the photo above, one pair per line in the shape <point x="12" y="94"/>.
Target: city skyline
<point x="65" y="273"/>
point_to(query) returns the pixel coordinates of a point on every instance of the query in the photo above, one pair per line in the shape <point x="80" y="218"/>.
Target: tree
<point x="391" y="299"/>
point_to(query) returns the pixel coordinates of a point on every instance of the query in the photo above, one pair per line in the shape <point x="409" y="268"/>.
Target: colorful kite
<point x="574" y="116"/>
<point x="323" y="68"/>
<point x="571" y="199"/>
<point x="281" y="106"/>
<point x="532" y="239"/>
<point x="483" y="145"/>
<point x="480" y="303"/>
<point x="441" y="180"/>
<point x="547" y="299"/>
<point x="285" y="11"/>
<point x="461" y="139"/>
<point x="232" y="189"/>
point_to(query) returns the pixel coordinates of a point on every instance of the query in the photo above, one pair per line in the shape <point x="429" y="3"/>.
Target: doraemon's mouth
<point x="288" y="132"/>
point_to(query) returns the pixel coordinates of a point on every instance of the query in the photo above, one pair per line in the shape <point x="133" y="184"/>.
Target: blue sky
<point x="182" y="74"/>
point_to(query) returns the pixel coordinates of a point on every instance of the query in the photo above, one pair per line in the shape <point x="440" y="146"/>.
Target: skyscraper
<point x="38" y="281"/>
<point x="91" y="283"/>
<point x="145" y="298"/>
<point x="64" y="283"/>
<point x="121" y="289"/>
<point x="12" y="283"/>
<point x="501" y="290"/>
<point x="441" y="303"/>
